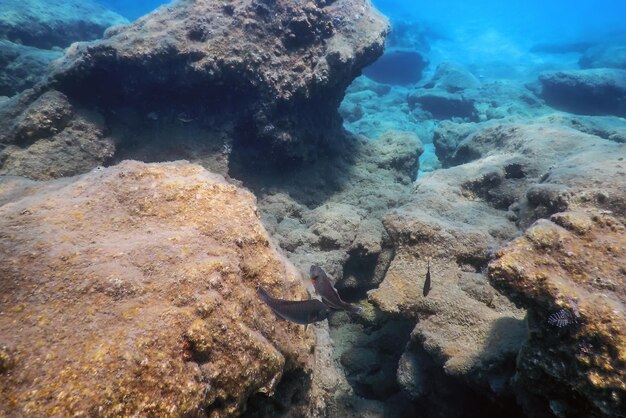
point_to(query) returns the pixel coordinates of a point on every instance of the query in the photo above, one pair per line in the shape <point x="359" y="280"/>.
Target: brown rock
<point x="574" y="264"/>
<point x="131" y="291"/>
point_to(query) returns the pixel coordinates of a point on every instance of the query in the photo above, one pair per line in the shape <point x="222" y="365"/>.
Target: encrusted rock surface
<point x="131" y="291"/>
<point x="460" y="216"/>
<point x="45" y="137"/>
<point x="252" y="81"/>
<point x="279" y="68"/>
<point x="54" y="23"/>
<point x="575" y="261"/>
<point x="328" y="212"/>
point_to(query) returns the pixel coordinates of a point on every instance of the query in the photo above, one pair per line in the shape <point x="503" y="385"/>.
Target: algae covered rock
<point x="569" y="272"/>
<point x="278" y="68"/>
<point x="45" y="136"/>
<point x="458" y="218"/>
<point x="131" y="291"/>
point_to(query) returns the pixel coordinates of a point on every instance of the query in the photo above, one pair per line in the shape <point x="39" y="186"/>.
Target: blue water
<point x="520" y="21"/>
<point x="132" y="9"/>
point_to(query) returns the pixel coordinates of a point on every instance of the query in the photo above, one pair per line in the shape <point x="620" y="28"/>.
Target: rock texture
<point x="45" y="136"/>
<point x="575" y="262"/>
<point x="328" y="213"/>
<point x="278" y="68"/>
<point x="46" y="25"/>
<point x="459" y="217"/>
<point x="131" y="291"/>
<point x="22" y="66"/>
<point x="587" y="92"/>
<point x="250" y="82"/>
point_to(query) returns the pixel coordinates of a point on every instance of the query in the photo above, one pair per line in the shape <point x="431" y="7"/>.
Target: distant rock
<point x="571" y="265"/>
<point x="587" y="92"/>
<point x="135" y="287"/>
<point x="21" y="66"/>
<point x="447" y="137"/>
<point x="604" y="56"/>
<point x="443" y="105"/>
<point x="452" y="78"/>
<point x="398" y="67"/>
<point x="51" y="24"/>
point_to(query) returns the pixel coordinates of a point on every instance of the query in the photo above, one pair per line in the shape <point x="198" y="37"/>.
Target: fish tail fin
<point x="265" y="297"/>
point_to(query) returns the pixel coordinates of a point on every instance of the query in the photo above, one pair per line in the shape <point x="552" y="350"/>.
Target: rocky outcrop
<point x="587" y="92"/>
<point x="22" y="66"/>
<point x="260" y="81"/>
<point x="45" y="136"/>
<point x="278" y="69"/>
<point x="458" y="218"/>
<point x="134" y="290"/>
<point x="55" y="24"/>
<point x="569" y="273"/>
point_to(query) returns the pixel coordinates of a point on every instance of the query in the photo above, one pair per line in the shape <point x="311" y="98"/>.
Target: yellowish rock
<point x="131" y="291"/>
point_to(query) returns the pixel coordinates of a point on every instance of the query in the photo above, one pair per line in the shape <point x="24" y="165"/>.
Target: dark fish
<point x="301" y="312"/>
<point x="324" y="287"/>
<point x="561" y="318"/>
<point x="427" y="282"/>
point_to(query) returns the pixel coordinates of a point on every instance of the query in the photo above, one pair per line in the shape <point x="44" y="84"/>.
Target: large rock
<point x="398" y="67"/>
<point x="452" y="78"/>
<point x="587" y="92"/>
<point x="244" y="85"/>
<point x="54" y="23"/>
<point x="131" y="291"/>
<point x="571" y="265"/>
<point x="458" y="217"/>
<point x="45" y="136"/>
<point x="277" y="69"/>
<point x="21" y="67"/>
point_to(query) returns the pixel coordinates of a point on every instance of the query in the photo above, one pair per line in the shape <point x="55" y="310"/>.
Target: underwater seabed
<point x="152" y="180"/>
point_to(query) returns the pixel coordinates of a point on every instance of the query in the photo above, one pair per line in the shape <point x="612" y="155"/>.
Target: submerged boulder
<point x="134" y="288"/>
<point x="278" y="69"/>
<point x="253" y="83"/>
<point x="21" y="67"/>
<point x="398" y="67"/>
<point x="49" y="137"/>
<point x="605" y="56"/>
<point x="569" y="273"/>
<point x="456" y="220"/>
<point x="452" y="78"/>
<point x="588" y="92"/>
<point x="54" y="23"/>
